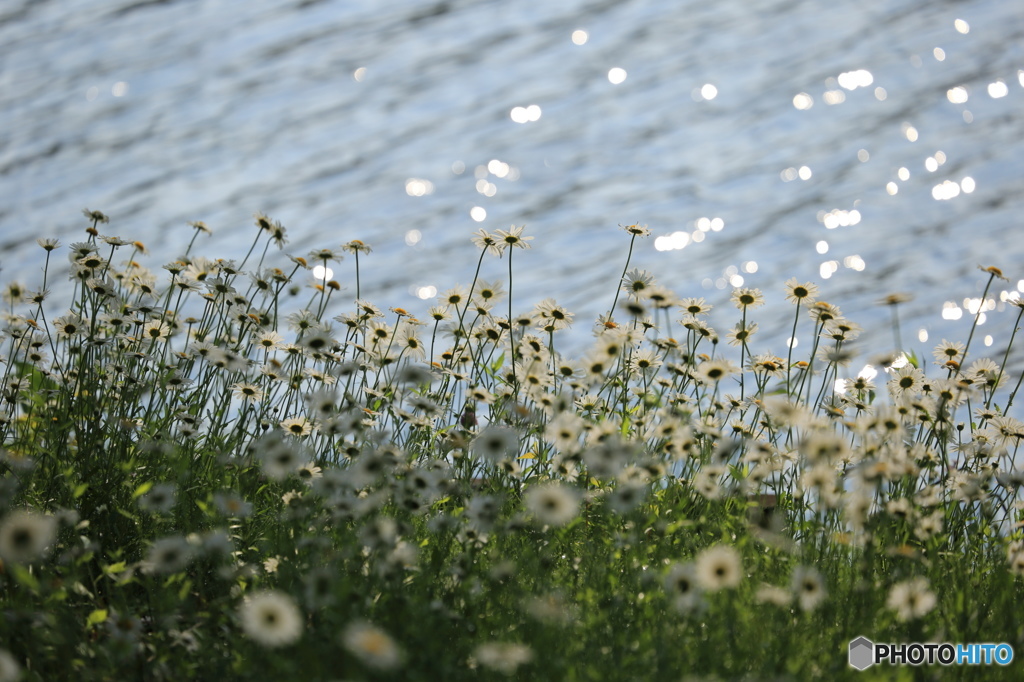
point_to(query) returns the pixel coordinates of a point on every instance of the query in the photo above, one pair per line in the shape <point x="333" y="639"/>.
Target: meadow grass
<point x="227" y="470"/>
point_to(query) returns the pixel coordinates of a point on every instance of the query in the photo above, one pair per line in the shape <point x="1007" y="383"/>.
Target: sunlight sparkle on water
<point x="413" y="237"/>
<point x="974" y="305"/>
<point x="945" y="191"/>
<point x="478" y="213"/>
<point x="579" y="37"/>
<point x="417" y="187"/>
<point x="910" y="132"/>
<point x="855" y="262"/>
<point x="671" y="242"/>
<point x="525" y="114"/>
<point x="821" y="247"/>
<point x="322" y="273"/>
<point x="851" y="80"/>
<point x="803" y="101"/>
<point x="426" y="292"/>
<point x="120" y="89"/>
<point x="834" y="97"/>
<point x="892" y="188"/>
<point x="961" y="26"/>
<point x="750" y="266"/>
<point x="708" y="91"/>
<point x="839" y="218"/>
<point x="997" y="90"/>
<point x="616" y="75"/>
<point x="498" y="168"/>
<point x="967" y="184"/>
<point x="957" y="95"/>
<point x="922" y="335"/>
<point x="951" y="311"/>
<point x="939" y="53"/>
<point x="804" y="173"/>
<point x="828" y="268"/>
<point x="359" y="74"/>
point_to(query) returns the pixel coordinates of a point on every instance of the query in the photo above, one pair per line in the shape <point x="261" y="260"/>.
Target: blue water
<point x="319" y="113"/>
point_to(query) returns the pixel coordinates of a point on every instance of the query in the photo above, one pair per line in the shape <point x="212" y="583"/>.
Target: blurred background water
<point x="871" y="147"/>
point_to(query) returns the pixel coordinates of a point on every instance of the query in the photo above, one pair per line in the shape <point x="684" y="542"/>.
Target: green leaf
<point x="96" y="617"/>
<point x="23" y="576"/>
<point x="142" y="489"/>
<point x="79" y="490"/>
<point x="114" y="568"/>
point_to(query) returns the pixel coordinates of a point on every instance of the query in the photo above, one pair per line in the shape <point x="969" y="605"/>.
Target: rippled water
<point x="160" y="112"/>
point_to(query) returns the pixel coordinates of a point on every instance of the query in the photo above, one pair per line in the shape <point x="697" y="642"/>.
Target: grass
<point x="224" y="470"/>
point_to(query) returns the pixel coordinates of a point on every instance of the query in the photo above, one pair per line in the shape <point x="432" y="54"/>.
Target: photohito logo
<point x="865" y="653"/>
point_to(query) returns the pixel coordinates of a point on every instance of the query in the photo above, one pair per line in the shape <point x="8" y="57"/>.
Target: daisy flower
<point x="637" y="281"/>
<point x="809" y="587"/>
<point x="297" y="426"/>
<point x="169" y="555"/>
<point x="740" y="334"/>
<point x="356" y="247"/>
<point x="505" y="657"/>
<point x="911" y="599"/>
<point x="552" y="504"/>
<point x="800" y="293"/>
<point x="713" y="371"/>
<point x="513" y="237"/>
<point x="747" y="298"/>
<point x="271" y="618"/>
<point x="719" y="567"/>
<point x="372" y="646"/>
<point x="26" y="536"/>
<point x="948" y="350"/>
<point x="496" y="443"/>
<point x="637" y="230"/>
<point x="550" y="313"/>
<point x="682" y="587"/>
<point x="487" y="241"/>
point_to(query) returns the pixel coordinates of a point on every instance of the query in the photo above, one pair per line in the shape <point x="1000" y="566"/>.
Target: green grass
<point x="217" y="470"/>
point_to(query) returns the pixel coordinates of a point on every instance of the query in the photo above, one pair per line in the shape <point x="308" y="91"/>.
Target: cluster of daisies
<point x="231" y="400"/>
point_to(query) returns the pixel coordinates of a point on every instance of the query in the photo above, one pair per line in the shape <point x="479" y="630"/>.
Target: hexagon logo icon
<point x="862" y="653"/>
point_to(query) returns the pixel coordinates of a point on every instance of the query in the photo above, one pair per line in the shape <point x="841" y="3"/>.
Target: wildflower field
<point x="215" y="470"/>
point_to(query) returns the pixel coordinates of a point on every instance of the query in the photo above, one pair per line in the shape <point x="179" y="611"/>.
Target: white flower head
<point x="719" y="567"/>
<point x="911" y="599"/>
<point x="505" y="657"/>
<point x="26" y="536"/>
<point x="271" y="618"/>
<point x="553" y="504"/>
<point x="372" y="646"/>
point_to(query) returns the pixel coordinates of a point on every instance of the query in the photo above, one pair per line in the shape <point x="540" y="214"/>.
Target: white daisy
<point x="719" y="567"/>
<point x="26" y="536"/>
<point x="371" y="645"/>
<point x="271" y="618"/>
<point x="553" y="504"/>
